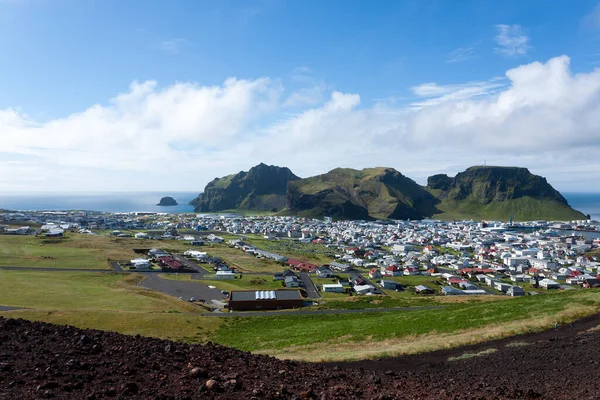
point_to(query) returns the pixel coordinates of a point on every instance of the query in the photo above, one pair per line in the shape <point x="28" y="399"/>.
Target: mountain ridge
<point x="479" y="192"/>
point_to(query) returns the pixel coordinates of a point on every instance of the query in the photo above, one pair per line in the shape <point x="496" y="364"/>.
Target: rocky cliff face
<point x="262" y="188"/>
<point x="167" y="201"/>
<point x="366" y="194"/>
<point x="494" y="184"/>
<point x="499" y="193"/>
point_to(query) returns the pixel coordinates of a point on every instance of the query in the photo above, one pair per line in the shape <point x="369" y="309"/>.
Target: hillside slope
<point x="366" y="194"/>
<point x="499" y="193"/>
<point x="262" y="188"/>
<point x="49" y="361"/>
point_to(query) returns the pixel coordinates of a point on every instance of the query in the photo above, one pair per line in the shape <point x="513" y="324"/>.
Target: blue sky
<point x="402" y="70"/>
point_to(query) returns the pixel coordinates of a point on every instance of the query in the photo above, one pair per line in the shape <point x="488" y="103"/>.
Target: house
<point x="357" y="280"/>
<point x="391" y="285"/>
<point x="291" y="281"/>
<point x="288" y="272"/>
<point x="392" y="270"/>
<point x="501" y="286"/>
<point x="456" y="281"/>
<point x="467" y="286"/>
<point x="374" y="273"/>
<point x="140" y="263"/>
<point x="278" y="276"/>
<point x="449" y="291"/>
<point x="411" y="271"/>
<point x="515" y="291"/>
<point x="591" y="283"/>
<point x="422" y="289"/>
<point x="197" y="242"/>
<point x="549" y="284"/>
<point x="141" y="235"/>
<point x="339" y="267"/>
<point x="324" y="272"/>
<point x="225" y="275"/>
<point x="333" y="288"/>
<point x="363" y="289"/>
<point x="170" y="263"/>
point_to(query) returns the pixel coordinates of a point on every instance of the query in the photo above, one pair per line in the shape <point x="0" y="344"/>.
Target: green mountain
<point x="378" y="193"/>
<point x="498" y="193"/>
<point x="367" y="194"/>
<point x="262" y="188"/>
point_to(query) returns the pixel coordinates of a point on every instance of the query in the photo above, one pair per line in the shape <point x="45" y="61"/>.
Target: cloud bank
<point x="540" y="116"/>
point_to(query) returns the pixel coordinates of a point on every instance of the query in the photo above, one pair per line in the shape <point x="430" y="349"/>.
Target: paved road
<point x="191" y="265"/>
<point x="185" y="289"/>
<point x="54" y="269"/>
<point x="6" y="308"/>
<point x="309" y="286"/>
<point x="315" y="312"/>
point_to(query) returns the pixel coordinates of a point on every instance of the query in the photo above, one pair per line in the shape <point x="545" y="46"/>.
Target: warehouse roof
<point x="259" y="295"/>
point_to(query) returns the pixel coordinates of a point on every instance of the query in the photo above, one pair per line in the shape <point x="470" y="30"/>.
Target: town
<point x="322" y="261"/>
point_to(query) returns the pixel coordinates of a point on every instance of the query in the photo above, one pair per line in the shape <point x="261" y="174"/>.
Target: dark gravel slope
<point x="40" y="360"/>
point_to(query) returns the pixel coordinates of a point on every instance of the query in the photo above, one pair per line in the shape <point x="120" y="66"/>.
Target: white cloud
<point x="175" y="46"/>
<point x="541" y="116"/>
<point x="461" y="54"/>
<point x="436" y="94"/>
<point x="511" y="40"/>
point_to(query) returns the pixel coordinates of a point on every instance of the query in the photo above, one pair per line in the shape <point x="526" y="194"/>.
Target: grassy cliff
<point x="366" y="194"/>
<point x="499" y="193"/>
<point x="262" y="188"/>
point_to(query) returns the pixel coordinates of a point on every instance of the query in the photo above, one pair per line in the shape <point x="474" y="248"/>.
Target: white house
<point x="363" y="289"/>
<point x="140" y="263"/>
<point x="332" y="288"/>
<point x="141" y="235"/>
<point x="225" y="275"/>
<point x="549" y="284"/>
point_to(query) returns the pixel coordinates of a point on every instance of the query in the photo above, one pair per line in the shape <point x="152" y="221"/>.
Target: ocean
<point x="89" y="201"/>
<point x="587" y="203"/>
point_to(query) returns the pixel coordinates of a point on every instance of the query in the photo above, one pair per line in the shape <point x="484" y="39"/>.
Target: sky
<point x="153" y="95"/>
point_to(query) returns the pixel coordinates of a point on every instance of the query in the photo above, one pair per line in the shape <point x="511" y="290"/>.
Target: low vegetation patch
<point x="316" y="337"/>
<point x="471" y="355"/>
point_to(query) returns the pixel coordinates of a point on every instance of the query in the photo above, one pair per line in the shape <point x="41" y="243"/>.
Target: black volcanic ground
<point x="39" y="360"/>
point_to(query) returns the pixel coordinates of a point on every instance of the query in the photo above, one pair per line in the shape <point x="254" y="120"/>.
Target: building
<point x="333" y="288"/>
<point x="291" y="281"/>
<point x="449" y="291"/>
<point x="225" y="275"/>
<point x="265" y="299"/>
<point x="363" y="289"/>
<point x="422" y="289"/>
<point x="516" y="291"/>
<point x="391" y="285"/>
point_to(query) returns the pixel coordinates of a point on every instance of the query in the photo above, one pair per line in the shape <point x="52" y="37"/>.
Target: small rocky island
<point x="167" y="201"/>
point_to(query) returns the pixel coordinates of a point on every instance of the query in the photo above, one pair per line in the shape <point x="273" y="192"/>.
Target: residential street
<point x="309" y="286"/>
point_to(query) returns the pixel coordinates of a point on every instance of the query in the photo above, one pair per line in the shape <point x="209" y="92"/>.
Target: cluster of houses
<point x="163" y="260"/>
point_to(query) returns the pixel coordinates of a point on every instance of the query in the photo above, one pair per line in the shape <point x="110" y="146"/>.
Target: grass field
<point x="354" y="336"/>
<point x="75" y="250"/>
<point x="81" y="291"/>
<point x="103" y="301"/>
<point x="247" y="282"/>
<point x="243" y="261"/>
<point x="310" y="252"/>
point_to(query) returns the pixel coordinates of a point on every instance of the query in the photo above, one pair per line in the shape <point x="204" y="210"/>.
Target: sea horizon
<point x="146" y="201"/>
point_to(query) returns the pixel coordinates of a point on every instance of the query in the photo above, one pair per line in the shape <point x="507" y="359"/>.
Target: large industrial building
<point x="265" y="299"/>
